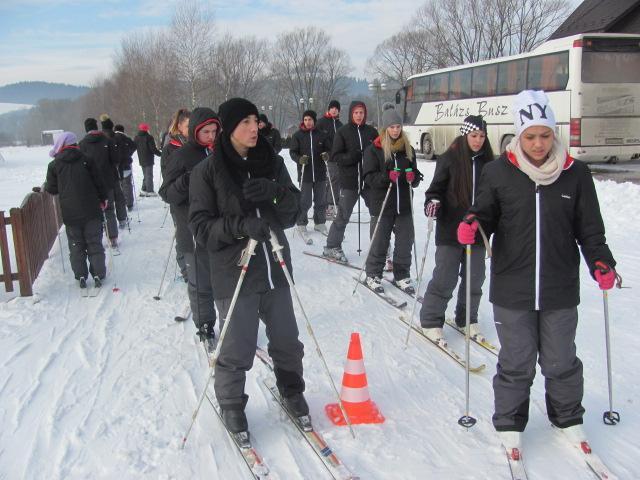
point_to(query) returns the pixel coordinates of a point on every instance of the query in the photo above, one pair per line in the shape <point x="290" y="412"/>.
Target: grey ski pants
<point x="402" y="227"/>
<point x="85" y="242"/>
<point x="348" y="200"/>
<point x="450" y="264"/>
<point x="127" y="189"/>
<point x="549" y="337"/>
<point x="333" y="182"/>
<point x="199" y="286"/>
<point x="147" y="178"/>
<point x="275" y="308"/>
<point x="315" y="189"/>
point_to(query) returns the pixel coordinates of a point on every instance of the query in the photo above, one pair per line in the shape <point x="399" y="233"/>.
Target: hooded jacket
<point x="329" y="125"/>
<point x="441" y="188"/>
<point x="348" y="148"/>
<point x="102" y="151"/>
<point x="218" y="209"/>
<point x="78" y="182"/>
<point x="311" y="143"/>
<point x="375" y="170"/>
<point x="146" y="148"/>
<point x="125" y="147"/>
<point x="536" y="233"/>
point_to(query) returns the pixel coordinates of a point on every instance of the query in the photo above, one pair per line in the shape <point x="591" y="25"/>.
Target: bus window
<point x="512" y="77"/>
<point x="485" y="81"/>
<point x="460" y="84"/>
<point x="548" y="72"/>
<point x="438" y="87"/>
<point x="420" y="89"/>
<point x="611" y="60"/>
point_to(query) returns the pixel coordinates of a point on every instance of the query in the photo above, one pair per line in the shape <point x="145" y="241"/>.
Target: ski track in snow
<point x="105" y="387"/>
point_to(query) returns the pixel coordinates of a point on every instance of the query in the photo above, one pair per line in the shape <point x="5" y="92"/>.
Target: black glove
<point x="260" y="190"/>
<point x="303" y="160"/>
<point x="324" y="156"/>
<point x="256" y="228"/>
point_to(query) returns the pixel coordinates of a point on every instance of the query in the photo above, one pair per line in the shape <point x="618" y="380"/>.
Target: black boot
<point x="235" y="420"/>
<point x="208" y="336"/>
<point x="297" y="405"/>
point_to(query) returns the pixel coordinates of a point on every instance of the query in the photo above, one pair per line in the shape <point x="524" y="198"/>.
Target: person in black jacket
<point x="243" y="190"/>
<point x="102" y="151"/>
<point x="348" y="147"/>
<point x="330" y="123"/>
<point x="78" y="182"/>
<point x="452" y="191"/>
<point x="390" y="166"/>
<point x="540" y="205"/>
<point x="177" y="136"/>
<point x="203" y="130"/>
<point x="125" y="148"/>
<point x="147" y="149"/>
<point x="310" y="150"/>
<point x="268" y="131"/>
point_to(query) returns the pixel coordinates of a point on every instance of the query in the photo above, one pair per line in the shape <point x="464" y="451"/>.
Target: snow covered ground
<point x="105" y="387"/>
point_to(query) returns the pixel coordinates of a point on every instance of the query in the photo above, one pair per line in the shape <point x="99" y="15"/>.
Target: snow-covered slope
<point x="105" y="387"/>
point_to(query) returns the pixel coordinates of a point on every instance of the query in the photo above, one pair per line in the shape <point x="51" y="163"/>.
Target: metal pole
<point x="326" y="164"/>
<point x="466" y="420"/>
<point x="609" y="417"/>
<point x="244" y="264"/>
<point x="166" y="265"/>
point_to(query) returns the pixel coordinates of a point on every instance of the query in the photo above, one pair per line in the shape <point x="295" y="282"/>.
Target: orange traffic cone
<point x="355" y="393"/>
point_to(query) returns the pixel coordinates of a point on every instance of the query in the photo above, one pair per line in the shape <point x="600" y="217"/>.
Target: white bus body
<point x="592" y="80"/>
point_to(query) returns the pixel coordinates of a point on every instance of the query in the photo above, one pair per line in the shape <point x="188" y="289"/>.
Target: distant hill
<point x="31" y="92"/>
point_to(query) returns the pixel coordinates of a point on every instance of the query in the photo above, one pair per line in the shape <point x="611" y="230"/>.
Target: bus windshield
<point x="611" y="61"/>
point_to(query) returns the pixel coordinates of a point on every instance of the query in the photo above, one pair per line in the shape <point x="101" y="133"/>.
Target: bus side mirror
<point x="398" y="98"/>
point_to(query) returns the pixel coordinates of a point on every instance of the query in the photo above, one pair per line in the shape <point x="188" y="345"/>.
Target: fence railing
<point x="35" y="225"/>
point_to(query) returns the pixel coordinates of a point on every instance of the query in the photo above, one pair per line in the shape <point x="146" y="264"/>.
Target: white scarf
<point x="549" y="171"/>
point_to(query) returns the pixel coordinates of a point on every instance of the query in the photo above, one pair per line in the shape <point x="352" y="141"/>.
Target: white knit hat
<point x="532" y="108"/>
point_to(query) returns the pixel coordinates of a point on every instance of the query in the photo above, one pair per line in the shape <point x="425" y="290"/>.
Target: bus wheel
<point x="427" y="147"/>
<point x="505" y="141"/>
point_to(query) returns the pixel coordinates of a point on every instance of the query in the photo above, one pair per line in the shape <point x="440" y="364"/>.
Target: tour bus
<point x="592" y="81"/>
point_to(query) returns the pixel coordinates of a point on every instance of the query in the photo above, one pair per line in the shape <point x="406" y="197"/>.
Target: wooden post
<point x="4" y="253"/>
<point x="22" y="259"/>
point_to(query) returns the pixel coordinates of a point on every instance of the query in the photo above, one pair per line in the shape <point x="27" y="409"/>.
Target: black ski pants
<point x="348" y="200"/>
<point x="199" y="287"/>
<point x="307" y="191"/>
<point x="85" y="242"/>
<point x="402" y="227"/>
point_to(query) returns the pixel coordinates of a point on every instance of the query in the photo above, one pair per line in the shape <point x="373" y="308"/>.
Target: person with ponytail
<point x="452" y="191"/>
<point x="390" y="170"/>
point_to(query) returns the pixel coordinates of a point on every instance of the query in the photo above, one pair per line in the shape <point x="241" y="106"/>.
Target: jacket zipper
<point x="264" y="249"/>
<point x="395" y="164"/>
<point x="537" y="300"/>
<point x="313" y="173"/>
<point x="359" y="179"/>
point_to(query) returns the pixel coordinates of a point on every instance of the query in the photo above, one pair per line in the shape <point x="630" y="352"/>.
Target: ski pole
<point x="301" y="176"/>
<point x="166" y="214"/>
<point x="609" y="417"/>
<point x="415" y="252"/>
<point x="359" y="224"/>
<point x="277" y="249"/>
<point x="424" y="257"/>
<point x="166" y="265"/>
<point x="244" y="264"/>
<point x="373" y="236"/>
<point x="111" y="263"/>
<point x="466" y="420"/>
<point x="326" y="164"/>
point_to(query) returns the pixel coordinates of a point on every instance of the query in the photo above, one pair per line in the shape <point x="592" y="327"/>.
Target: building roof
<point x="619" y="16"/>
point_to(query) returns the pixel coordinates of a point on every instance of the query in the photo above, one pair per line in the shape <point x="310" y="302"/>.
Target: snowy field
<point x="104" y="388"/>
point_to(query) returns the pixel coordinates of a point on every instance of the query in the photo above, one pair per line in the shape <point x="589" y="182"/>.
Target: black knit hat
<point x="90" y="124"/>
<point x="310" y="113"/>
<point x="118" y="128"/>
<point x="263" y="118"/>
<point x="472" y="123"/>
<point x="233" y="111"/>
<point x="105" y="122"/>
<point x="334" y="103"/>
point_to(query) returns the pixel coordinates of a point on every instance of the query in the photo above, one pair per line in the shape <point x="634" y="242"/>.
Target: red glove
<point x="103" y="205"/>
<point x="467" y="230"/>
<point x="431" y="208"/>
<point x="394" y="175"/>
<point x="605" y="275"/>
<point x="411" y="176"/>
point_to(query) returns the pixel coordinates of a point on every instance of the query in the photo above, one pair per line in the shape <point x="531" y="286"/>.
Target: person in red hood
<point x="204" y="129"/>
<point x="329" y="124"/>
<point x="348" y="146"/>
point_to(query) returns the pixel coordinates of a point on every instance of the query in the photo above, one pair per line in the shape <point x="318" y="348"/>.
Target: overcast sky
<point x="73" y="41"/>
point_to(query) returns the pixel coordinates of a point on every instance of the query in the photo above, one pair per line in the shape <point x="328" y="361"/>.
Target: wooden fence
<point x="35" y="226"/>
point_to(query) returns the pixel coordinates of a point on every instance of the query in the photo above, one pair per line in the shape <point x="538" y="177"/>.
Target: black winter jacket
<point x="375" y="171"/>
<point x="125" y="147"/>
<point x="218" y="209"/>
<point x="171" y="145"/>
<point x="569" y="215"/>
<point x="348" y="148"/>
<point x="273" y="137"/>
<point x="329" y="125"/>
<point x="77" y="180"/>
<point x="102" y="151"/>
<point x="301" y="144"/>
<point x="450" y="214"/>
<point x="146" y="149"/>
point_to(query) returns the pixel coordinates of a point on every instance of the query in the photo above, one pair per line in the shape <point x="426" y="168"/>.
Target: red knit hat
<point x="144" y="127"/>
